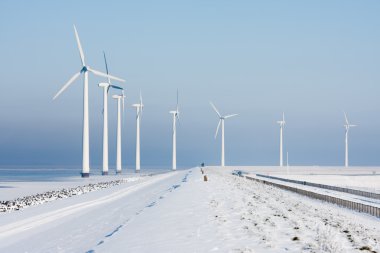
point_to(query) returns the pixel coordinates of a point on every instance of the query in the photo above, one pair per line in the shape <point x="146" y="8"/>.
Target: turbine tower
<point x="139" y="108"/>
<point x="221" y="122"/>
<point x="118" y="135"/>
<point x="106" y="87"/>
<point x="347" y="126"/>
<point x="175" y="118"/>
<point x="84" y="70"/>
<point x="282" y="124"/>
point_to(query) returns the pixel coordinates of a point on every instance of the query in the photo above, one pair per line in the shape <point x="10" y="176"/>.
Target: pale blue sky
<point x="311" y="59"/>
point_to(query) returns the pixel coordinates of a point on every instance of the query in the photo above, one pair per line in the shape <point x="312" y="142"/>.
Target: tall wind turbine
<point x="84" y="70"/>
<point x="347" y="126"/>
<point x="106" y="87"/>
<point x="221" y="122"/>
<point x="282" y="124"/>
<point x="139" y="108"/>
<point x="175" y="118"/>
<point x="120" y="98"/>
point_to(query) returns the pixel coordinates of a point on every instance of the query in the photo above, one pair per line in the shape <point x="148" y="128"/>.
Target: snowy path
<point x="74" y="224"/>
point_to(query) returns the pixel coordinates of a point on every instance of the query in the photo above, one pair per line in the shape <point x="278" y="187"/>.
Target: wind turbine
<point x="106" y="87"/>
<point x="282" y="124"/>
<point x="84" y="70"/>
<point x="139" y="108"/>
<point x="221" y="121"/>
<point x="347" y="126"/>
<point x="118" y="137"/>
<point x="175" y="118"/>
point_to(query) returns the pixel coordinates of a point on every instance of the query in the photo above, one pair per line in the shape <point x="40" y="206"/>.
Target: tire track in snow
<point x="39" y="220"/>
<point x="169" y="190"/>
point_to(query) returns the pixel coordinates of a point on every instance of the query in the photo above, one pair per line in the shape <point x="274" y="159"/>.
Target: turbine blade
<point x="72" y="79"/>
<point x="122" y="92"/>
<point x="231" y="115"/>
<point x="177" y="100"/>
<point x="98" y="73"/>
<point x="116" y="87"/>
<point x="283" y="118"/>
<point x="345" y="116"/>
<point x="216" y="110"/>
<point x="141" y="104"/>
<point x="105" y="61"/>
<point x="217" y="129"/>
<point x="79" y="47"/>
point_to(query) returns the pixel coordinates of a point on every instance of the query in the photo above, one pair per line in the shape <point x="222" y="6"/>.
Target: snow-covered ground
<point x="327" y="192"/>
<point x="360" y="178"/>
<point x="370" y="183"/>
<point x="179" y="212"/>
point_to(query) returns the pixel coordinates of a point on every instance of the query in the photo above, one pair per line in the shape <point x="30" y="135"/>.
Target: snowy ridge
<point x="37" y="199"/>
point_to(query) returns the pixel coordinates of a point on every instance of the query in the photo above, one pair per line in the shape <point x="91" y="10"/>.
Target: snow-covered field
<point x="360" y="178"/>
<point x="179" y="212"/>
<point x="362" y="182"/>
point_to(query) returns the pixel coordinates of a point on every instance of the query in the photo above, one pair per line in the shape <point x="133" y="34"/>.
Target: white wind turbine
<point x="139" y="108"/>
<point x="282" y="124"/>
<point x="175" y="118"/>
<point x="84" y="70"/>
<point x="347" y="126"/>
<point x="221" y="121"/>
<point x="120" y="98"/>
<point x="106" y="87"/>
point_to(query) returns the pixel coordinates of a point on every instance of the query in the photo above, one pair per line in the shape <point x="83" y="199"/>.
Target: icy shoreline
<point x="40" y="198"/>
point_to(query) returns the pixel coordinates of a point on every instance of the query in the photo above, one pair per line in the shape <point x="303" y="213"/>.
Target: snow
<point x="332" y="193"/>
<point x="179" y="212"/>
<point x="370" y="183"/>
<point x="360" y="178"/>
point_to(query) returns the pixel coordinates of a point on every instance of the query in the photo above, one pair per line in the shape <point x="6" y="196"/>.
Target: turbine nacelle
<point x="282" y="122"/>
<point x="104" y="85"/>
<point x="118" y="96"/>
<point x="84" y="69"/>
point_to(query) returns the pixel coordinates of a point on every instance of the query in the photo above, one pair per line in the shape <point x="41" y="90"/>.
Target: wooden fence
<point x="375" y="211"/>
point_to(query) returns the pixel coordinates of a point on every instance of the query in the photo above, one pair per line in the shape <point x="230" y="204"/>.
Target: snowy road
<point x="77" y="223"/>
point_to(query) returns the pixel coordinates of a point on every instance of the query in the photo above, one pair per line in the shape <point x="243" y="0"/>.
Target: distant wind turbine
<point x="282" y="124"/>
<point x="347" y="126"/>
<point x="120" y="98"/>
<point x="139" y="108"/>
<point x="84" y="70"/>
<point x="221" y="121"/>
<point x="106" y="87"/>
<point x="175" y="118"/>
